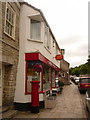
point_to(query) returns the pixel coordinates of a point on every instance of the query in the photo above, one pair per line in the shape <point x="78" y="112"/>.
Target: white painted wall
<point x="27" y="46"/>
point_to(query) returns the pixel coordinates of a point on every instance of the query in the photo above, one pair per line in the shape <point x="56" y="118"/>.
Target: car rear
<point x="84" y="84"/>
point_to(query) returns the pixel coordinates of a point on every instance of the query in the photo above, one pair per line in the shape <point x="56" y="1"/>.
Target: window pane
<point x="57" y="78"/>
<point x="9" y="16"/>
<point x="46" y="77"/>
<point x="47" y="37"/>
<point x="33" y="75"/>
<point x="12" y="17"/>
<point x="56" y="50"/>
<point x="85" y="80"/>
<point x="7" y="13"/>
<point x="53" y="78"/>
<point x="10" y="30"/>
<point x="35" y="30"/>
<point x="7" y="27"/>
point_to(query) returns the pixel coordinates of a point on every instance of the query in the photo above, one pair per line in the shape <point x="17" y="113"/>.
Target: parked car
<point x="76" y="79"/>
<point x="72" y="78"/>
<point x="88" y="100"/>
<point x="84" y="84"/>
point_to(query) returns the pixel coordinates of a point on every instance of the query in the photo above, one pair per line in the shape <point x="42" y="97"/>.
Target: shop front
<point x="39" y="68"/>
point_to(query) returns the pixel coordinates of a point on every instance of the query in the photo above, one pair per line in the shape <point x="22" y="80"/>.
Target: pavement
<point x="68" y="105"/>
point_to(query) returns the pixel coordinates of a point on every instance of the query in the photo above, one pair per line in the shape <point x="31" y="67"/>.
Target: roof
<point x="41" y="13"/>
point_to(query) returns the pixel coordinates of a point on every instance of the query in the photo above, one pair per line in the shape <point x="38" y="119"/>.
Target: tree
<point x="83" y="69"/>
<point x="75" y="71"/>
<point x="88" y="65"/>
<point x="70" y="70"/>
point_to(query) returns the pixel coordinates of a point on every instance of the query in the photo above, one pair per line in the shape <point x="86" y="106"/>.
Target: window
<point x="10" y="21"/>
<point x="46" y="77"/>
<point x="63" y="74"/>
<point x="47" y="38"/>
<point x="35" y="30"/>
<point x="32" y="74"/>
<point x="53" y="78"/>
<point x="56" y="50"/>
<point x="56" y="78"/>
<point x="85" y="80"/>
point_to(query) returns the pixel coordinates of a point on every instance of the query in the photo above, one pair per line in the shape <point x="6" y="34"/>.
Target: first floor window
<point x="35" y="30"/>
<point x="10" y="21"/>
<point x="47" y="37"/>
<point x="57" y="50"/>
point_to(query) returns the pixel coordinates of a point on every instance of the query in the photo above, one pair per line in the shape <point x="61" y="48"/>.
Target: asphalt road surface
<point x="83" y="101"/>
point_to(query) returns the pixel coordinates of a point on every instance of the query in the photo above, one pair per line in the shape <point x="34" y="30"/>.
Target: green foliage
<point x="82" y="69"/>
<point x="88" y="66"/>
<point x="70" y="71"/>
<point x="75" y="71"/>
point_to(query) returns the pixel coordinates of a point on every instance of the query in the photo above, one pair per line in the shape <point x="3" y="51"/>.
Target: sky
<point x="68" y="20"/>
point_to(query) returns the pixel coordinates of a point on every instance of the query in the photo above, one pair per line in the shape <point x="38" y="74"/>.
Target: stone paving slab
<point x="69" y="105"/>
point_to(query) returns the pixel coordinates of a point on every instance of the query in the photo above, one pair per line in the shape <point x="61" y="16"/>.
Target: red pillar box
<point x="35" y="97"/>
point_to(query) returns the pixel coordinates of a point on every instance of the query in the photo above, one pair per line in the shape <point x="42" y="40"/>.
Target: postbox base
<point x="35" y="109"/>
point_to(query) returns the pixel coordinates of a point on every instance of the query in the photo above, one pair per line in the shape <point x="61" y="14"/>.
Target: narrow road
<point x="69" y="105"/>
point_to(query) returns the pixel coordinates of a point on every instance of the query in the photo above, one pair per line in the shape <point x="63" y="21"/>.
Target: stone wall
<point x="10" y="55"/>
<point x="64" y="65"/>
<point x="64" y="71"/>
<point x="0" y="55"/>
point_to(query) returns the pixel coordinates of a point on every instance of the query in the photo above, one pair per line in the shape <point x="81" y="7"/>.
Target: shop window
<point x="35" y="31"/>
<point x="56" y="78"/>
<point x="10" y="21"/>
<point x="53" y="78"/>
<point x="33" y="74"/>
<point x="46" y="77"/>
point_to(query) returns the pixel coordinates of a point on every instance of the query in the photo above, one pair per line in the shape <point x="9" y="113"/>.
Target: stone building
<point x="0" y="54"/>
<point x="10" y="49"/>
<point x="64" y="71"/>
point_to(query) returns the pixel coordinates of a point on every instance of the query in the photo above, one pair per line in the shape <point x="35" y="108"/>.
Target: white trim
<point x="18" y="4"/>
<point x="47" y="49"/>
<point x="13" y="36"/>
<point x="39" y="41"/>
<point x="40" y="31"/>
<point x="33" y="15"/>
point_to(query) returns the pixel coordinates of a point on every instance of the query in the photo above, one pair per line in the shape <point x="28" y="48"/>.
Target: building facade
<point x="10" y="50"/>
<point x="38" y="48"/>
<point x="0" y="55"/>
<point x="65" y="72"/>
